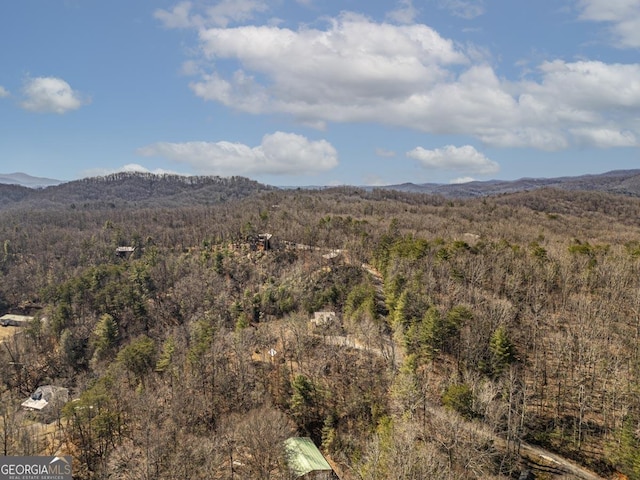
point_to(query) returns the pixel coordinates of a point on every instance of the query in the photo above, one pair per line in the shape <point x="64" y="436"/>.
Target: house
<point x="323" y="319"/>
<point x="46" y="398"/>
<point x="124" y="251"/>
<point x="12" y="320"/>
<point x="260" y="242"/>
<point x="264" y="241"/>
<point x="305" y="460"/>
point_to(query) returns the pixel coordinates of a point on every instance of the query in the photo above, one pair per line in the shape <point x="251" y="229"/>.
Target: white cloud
<point x="580" y="102"/>
<point x="590" y="85"/>
<point x="408" y="76"/>
<point x="405" y="13"/>
<point x="51" y="95"/>
<point x="541" y="138"/>
<point x="187" y="14"/>
<point x="607" y="10"/>
<point x="178" y="17"/>
<point x="383" y="152"/>
<point x="465" y="159"/>
<point x="190" y="68"/>
<point x="3" y="92"/>
<point x="345" y="73"/>
<point x="279" y="154"/>
<point x="461" y="180"/>
<point x="241" y="92"/>
<point x="227" y="11"/>
<point x="467" y="9"/>
<point x="605" y="138"/>
<point x="622" y="15"/>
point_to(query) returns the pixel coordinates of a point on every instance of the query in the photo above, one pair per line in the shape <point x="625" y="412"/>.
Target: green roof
<point x="303" y="456"/>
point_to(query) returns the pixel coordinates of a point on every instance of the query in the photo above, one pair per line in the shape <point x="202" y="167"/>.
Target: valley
<point x="407" y="335"/>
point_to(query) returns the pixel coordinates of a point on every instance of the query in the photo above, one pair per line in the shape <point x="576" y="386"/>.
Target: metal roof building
<point x="11" y="320"/>
<point x="306" y="461"/>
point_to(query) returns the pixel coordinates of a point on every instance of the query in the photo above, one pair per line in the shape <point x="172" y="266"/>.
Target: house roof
<point x="16" y="318"/>
<point x="45" y="394"/>
<point x="304" y="457"/>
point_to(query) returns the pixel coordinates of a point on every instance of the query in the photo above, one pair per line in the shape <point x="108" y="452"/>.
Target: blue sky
<point x="320" y="92"/>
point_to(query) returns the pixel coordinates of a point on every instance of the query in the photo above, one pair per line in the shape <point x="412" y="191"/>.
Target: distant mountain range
<point x="27" y="180"/>
<point x="146" y="189"/>
<point x="624" y="182"/>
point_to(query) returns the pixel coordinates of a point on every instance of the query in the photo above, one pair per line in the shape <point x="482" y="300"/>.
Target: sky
<point x="320" y="92"/>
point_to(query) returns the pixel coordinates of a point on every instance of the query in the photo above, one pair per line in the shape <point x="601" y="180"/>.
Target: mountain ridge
<point x="132" y="189"/>
<point x="25" y="180"/>
<point x="624" y="182"/>
<point x="140" y="189"/>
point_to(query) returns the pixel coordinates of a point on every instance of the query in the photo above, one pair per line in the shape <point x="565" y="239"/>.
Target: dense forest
<point x="473" y="338"/>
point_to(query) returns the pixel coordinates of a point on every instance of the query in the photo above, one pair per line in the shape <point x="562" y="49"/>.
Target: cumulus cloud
<point x="623" y="16"/>
<point x="187" y="14"/>
<point x="351" y="71"/>
<point x="590" y="86"/>
<point x="463" y="159"/>
<point x="467" y="9"/>
<point x="409" y="76"/>
<point x="51" y="95"/>
<point x="278" y="154"/>
<point x="3" y="92"/>
<point x="604" y="137"/>
<point x="178" y="17"/>
<point x="227" y="11"/>
<point x="405" y="13"/>
<point x="581" y="100"/>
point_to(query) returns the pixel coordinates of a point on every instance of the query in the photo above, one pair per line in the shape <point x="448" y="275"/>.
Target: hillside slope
<point x="516" y="318"/>
<point x="625" y="182"/>
<point x="132" y="190"/>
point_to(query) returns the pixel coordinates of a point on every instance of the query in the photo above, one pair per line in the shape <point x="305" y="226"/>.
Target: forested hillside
<point x="469" y="334"/>
<point x="623" y="182"/>
<point x="131" y="190"/>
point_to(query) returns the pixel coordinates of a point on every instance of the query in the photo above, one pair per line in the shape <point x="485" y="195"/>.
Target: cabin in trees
<point x="47" y="401"/>
<point x="305" y="460"/>
<point x="257" y="242"/>
<point x="124" y="252"/>
<point x="46" y="397"/>
<point x="263" y="241"/>
<point x="12" y="320"/>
